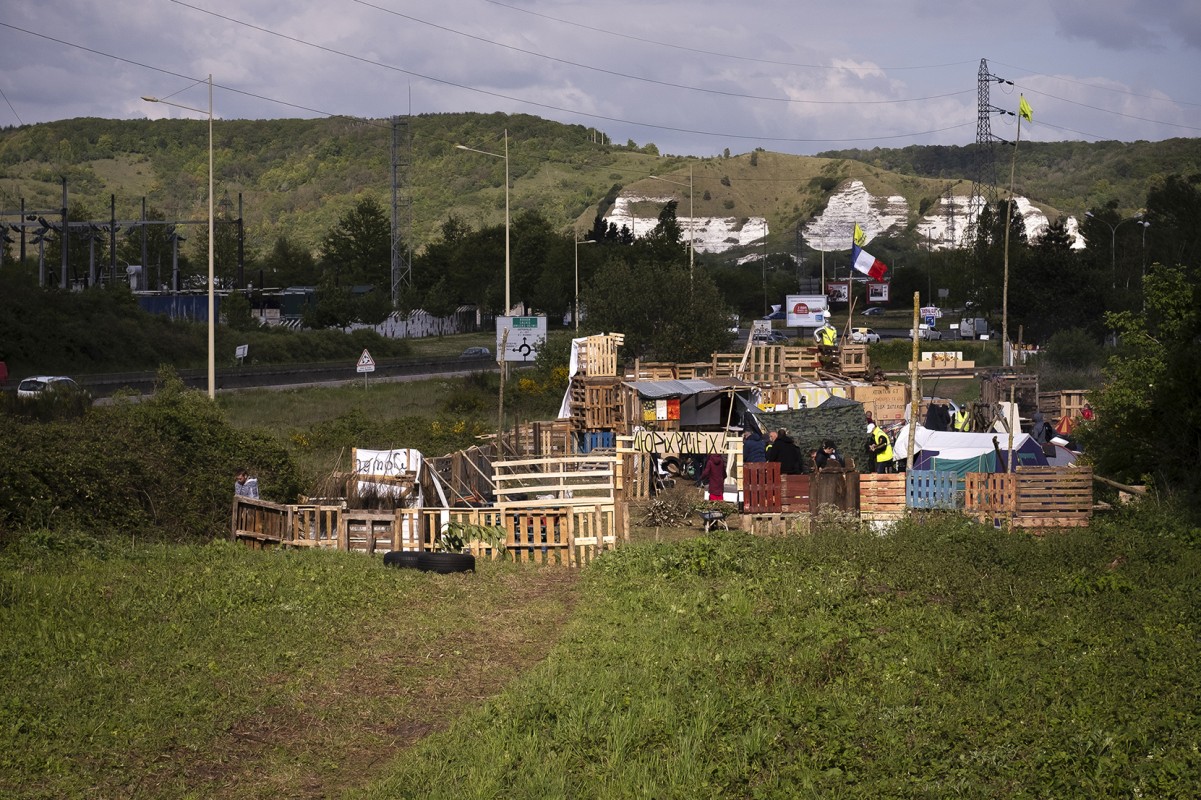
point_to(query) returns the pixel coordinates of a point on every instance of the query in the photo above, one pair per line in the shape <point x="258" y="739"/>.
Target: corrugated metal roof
<point x="657" y="390"/>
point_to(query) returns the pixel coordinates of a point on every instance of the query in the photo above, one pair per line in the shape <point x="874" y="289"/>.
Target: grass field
<point x="942" y="660"/>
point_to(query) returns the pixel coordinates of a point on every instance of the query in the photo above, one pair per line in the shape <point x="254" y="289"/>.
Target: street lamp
<point x="575" y="314"/>
<point x="505" y="156"/>
<point x="1113" y="241"/>
<point x="691" y="222"/>
<point x="212" y="366"/>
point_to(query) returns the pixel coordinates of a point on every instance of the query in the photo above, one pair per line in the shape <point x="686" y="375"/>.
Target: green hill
<point x="296" y="177"/>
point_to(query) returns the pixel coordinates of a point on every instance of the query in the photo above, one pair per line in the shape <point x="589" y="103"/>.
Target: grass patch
<point x="943" y="660"/>
<point x="218" y="671"/>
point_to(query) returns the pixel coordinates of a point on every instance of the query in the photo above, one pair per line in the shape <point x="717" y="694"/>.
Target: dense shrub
<point x="158" y="469"/>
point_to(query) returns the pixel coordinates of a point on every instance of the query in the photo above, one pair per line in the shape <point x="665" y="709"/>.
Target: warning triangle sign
<point x="366" y="360"/>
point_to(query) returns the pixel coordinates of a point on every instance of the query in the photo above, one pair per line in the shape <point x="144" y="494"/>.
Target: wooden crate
<point x="776" y="524"/>
<point x="882" y="494"/>
<point x="853" y="360"/>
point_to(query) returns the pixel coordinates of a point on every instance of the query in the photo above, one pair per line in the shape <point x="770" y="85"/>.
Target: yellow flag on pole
<point x="860" y="238"/>
<point x="1024" y="109"/>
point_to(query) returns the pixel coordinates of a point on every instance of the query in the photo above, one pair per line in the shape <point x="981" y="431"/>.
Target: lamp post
<point x="505" y="156"/>
<point x="691" y="222"/>
<point x="212" y="365"/>
<point x="575" y="313"/>
<point x="1113" y="241"/>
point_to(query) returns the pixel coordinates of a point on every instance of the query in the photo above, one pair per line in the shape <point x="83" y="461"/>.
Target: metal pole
<point x="508" y="302"/>
<point x="212" y="371"/>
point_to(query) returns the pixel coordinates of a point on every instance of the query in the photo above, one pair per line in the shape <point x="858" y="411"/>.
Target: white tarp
<point x="954" y="444"/>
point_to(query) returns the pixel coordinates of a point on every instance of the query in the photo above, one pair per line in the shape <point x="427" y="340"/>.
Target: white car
<point x="864" y="336"/>
<point x="39" y="384"/>
<point x="930" y="334"/>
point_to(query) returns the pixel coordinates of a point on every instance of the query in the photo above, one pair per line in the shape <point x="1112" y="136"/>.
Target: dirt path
<point x="403" y="681"/>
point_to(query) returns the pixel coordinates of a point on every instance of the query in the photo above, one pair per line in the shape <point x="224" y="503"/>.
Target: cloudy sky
<point x="692" y="76"/>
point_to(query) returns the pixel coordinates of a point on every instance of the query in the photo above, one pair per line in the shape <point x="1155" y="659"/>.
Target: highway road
<point x="291" y="375"/>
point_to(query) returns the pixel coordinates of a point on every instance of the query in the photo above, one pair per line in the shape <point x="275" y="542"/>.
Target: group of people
<point x="781" y="448"/>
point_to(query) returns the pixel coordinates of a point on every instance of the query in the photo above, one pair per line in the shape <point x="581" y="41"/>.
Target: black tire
<point x="401" y="558"/>
<point x="446" y="563"/>
<point x="671" y="465"/>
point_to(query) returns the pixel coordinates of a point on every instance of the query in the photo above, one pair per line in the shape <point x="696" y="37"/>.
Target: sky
<point x="694" y="77"/>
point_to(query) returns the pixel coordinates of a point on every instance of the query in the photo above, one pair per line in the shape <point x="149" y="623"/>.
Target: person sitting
<point x="828" y="456"/>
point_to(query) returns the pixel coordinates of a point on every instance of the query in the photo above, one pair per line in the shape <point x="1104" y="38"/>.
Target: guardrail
<point x="103" y="385"/>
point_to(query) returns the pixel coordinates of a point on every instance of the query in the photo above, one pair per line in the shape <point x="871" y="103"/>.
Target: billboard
<point x="839" y="291"/>
<point x="877" y="292"/>
<point x="806" y="310"/>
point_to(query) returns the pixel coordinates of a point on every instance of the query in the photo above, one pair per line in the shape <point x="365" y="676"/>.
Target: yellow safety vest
<point x="827" y="336"/>
<point x="878" y="437"/>
<point x="962" y="422"/>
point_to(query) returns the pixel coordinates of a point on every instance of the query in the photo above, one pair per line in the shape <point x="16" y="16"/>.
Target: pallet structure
<point x="1031" y="497"/>
<point x="1067" y="403"/>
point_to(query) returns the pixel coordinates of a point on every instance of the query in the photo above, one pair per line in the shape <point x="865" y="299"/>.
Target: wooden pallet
<point x="776" y="524"/>
<point x="928" y="490"/>
<point x="882" y="494"/>
<point x="794" y="493"/>
<point x="1032" y="497"/>
<point x="761" y="488"/>
<point x="597" y="355"/>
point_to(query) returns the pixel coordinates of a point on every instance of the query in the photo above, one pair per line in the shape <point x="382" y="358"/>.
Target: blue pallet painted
<point x="591" y="440"/>
<point x="927" y="489"/>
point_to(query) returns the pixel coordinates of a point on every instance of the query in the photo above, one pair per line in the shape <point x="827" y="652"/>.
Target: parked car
<point x="874" y="311"/>
<point x="40" y="384"/>
<point x="476" y="352"/>
<point x="924" y="332"/>
<point x="864" y="336"/>
<point x="769" y="337"/>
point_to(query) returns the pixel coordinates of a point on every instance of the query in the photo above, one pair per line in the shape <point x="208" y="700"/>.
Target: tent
<point x="952" y="451"/>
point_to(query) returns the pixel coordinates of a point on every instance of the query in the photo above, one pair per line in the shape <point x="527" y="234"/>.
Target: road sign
<point x="930" y="321"/>
<point x="366" y="362"/>
<point x="240" y="351"/>
<point x="525" y="335"/>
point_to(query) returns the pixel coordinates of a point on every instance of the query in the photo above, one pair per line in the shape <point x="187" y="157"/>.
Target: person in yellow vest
<point x="961" y="421"/>
<point x="881" y="445"/>
<point x="826" y="335"/>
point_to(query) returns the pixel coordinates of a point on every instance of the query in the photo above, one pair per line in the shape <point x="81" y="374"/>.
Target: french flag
<point x="866" y="263"/>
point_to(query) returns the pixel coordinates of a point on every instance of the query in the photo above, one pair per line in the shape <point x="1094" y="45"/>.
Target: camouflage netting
<point x="838" y="418"/>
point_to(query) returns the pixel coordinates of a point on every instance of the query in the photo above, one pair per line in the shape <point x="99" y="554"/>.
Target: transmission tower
<point x="984" y="165"/>
<point x="402" y="204"/>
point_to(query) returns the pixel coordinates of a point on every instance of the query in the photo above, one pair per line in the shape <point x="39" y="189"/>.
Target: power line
<point x="668" y="84"/>
<point x="700" y="51"/>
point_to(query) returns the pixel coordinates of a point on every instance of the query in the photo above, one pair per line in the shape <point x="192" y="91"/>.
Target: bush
<point x="1073" y="348"/>
<point x="160" y="469"/>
